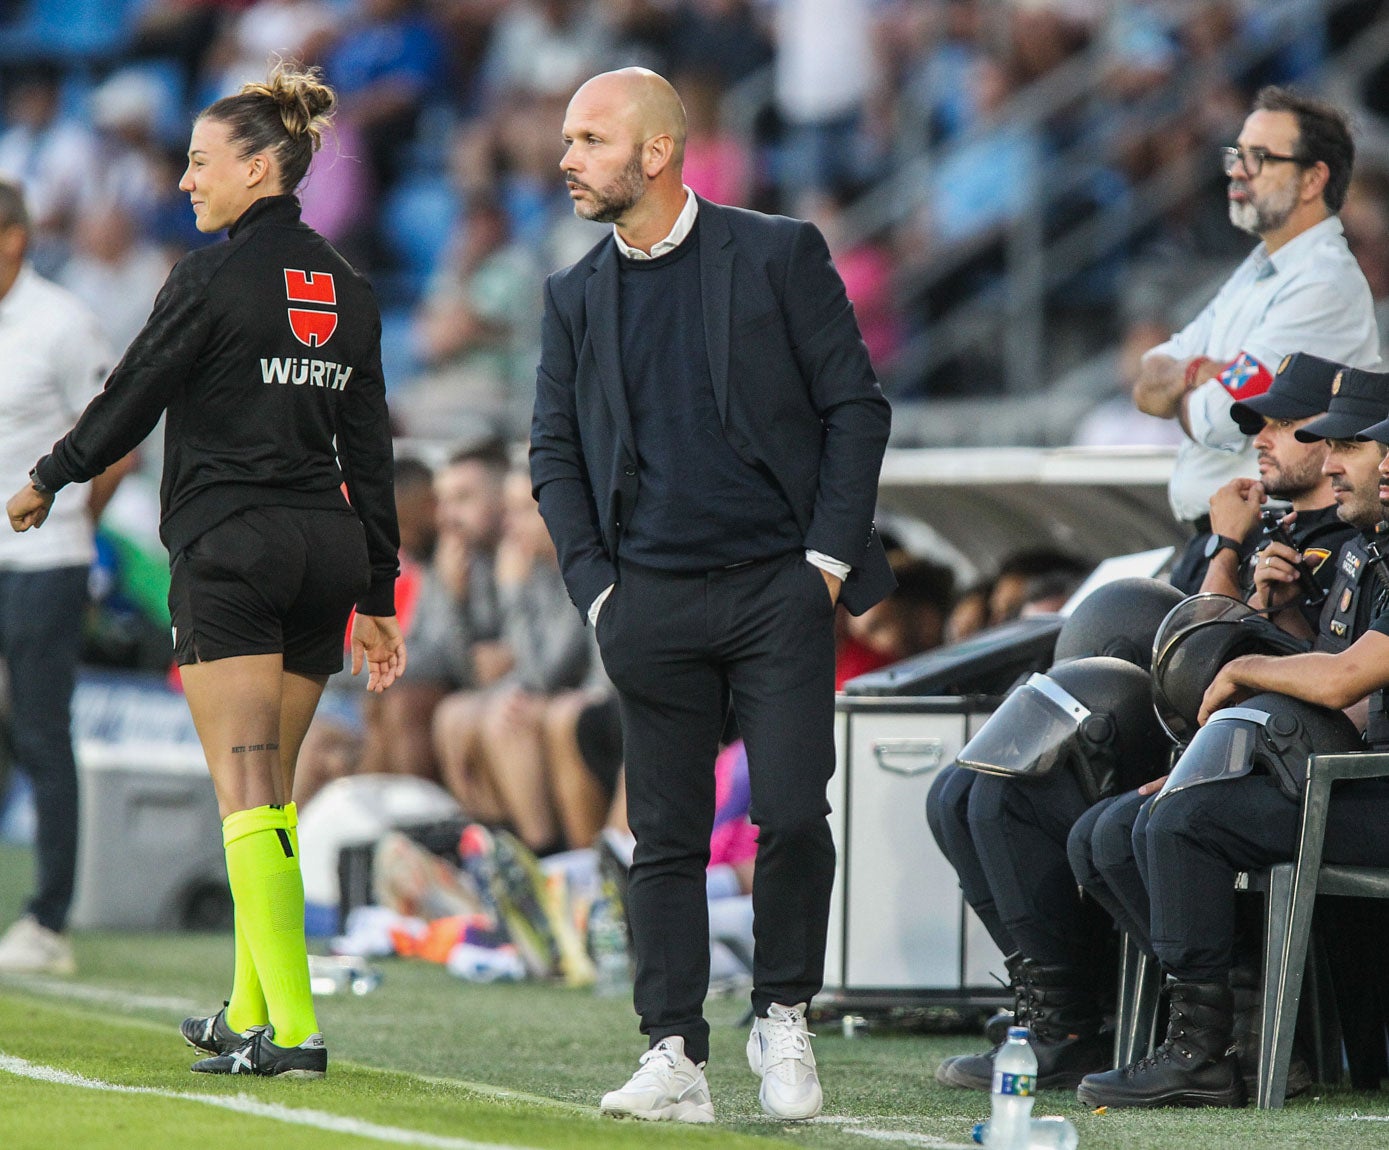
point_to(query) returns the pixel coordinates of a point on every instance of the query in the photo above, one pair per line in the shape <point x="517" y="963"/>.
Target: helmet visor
<point x="1029" y="732"/>
<point x="1196" y="611"/>
<point x="1222" y="749"/>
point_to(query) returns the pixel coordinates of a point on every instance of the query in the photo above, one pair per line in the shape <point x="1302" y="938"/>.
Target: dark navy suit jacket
<point x="792" y="380"/>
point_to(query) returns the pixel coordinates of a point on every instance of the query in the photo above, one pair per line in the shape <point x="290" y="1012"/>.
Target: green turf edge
<point x="129" y="1054"/>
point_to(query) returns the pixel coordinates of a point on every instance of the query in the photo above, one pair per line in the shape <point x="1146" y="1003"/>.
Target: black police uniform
<point x="1027" y="899"/>
<point x="1100" y="846"/>
<point x="1195" y="841"/>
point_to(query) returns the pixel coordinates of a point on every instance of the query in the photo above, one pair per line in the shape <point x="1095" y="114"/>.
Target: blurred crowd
<point x="441" y="182"/>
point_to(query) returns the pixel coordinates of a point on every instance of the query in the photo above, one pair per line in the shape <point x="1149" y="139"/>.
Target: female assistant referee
<point x="265" y="352"/>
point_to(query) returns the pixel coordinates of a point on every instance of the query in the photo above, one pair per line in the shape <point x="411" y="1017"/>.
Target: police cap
<point x="1300" y="390"/>
<point x="1358" y="399"/>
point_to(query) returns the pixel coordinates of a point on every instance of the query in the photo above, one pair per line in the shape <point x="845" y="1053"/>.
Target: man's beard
<point x="611" y="203"/>
<point x="1360" y="511"/>
<point x="1258" y="218"/>
<point x="1285" y="483"/>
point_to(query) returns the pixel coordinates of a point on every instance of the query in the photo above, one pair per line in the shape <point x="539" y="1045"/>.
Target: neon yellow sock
<point x="246" y="1006"/>
<point x="263" y="869"/>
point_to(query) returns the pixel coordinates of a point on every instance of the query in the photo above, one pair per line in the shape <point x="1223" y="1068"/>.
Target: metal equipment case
<point x="900" y="931"/>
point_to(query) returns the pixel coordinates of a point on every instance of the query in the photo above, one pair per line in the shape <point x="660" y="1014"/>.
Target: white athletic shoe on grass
<point x="29" y="948"/>
<point x="779" y="1051"/>
<point x="667" y="1087"/>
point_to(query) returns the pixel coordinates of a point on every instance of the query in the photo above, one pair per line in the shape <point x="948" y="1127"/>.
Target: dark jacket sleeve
<point x="157" y="362"/>
<point x="365" y="456"/>
<point x="844" y="393"/>
<point x="559" y="475"/>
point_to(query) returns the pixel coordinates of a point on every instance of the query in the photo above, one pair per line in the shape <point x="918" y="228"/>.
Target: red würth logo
<point x="311" y="327"/>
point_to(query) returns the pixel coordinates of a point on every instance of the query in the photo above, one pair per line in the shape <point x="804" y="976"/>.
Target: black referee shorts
<point x="270" y="580"/>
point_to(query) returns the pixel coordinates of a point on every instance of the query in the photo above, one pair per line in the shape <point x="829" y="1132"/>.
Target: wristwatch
<point x="1217" y="543"/>
<point x="38" y="485"/>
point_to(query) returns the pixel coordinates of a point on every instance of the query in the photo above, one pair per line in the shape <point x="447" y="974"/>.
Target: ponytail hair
<point x="284" y="116"/>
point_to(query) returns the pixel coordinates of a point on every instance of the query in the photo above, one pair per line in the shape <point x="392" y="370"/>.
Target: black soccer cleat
<point x="258" y="1055"/>
<point x="212" y="1035"/>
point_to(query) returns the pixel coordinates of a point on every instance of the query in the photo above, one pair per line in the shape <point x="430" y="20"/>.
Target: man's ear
<point x="656" y="155"/>
<point x="1314" y="180"/>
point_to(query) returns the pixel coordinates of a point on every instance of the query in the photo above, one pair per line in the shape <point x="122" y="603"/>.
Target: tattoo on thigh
<point x="249" y="747"/>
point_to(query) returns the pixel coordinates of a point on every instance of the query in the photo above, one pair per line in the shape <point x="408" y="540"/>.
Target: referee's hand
<point x="376" y="639"/>
<point x="27" y="508"/>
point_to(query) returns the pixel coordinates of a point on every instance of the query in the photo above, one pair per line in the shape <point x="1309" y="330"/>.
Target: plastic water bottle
<point x="1053" y="1133"/>
<point x="1045" y="1134"/>
<point x="1015" y="1082"/>
<point x="607" y="943"/>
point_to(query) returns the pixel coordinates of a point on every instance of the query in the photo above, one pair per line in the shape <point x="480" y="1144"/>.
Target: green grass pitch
<point x="426" y="1060"/>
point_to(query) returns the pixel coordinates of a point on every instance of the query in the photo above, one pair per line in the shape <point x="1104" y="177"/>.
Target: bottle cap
<point x="1019" y="1032"/>
<point x="978" y="1134"/>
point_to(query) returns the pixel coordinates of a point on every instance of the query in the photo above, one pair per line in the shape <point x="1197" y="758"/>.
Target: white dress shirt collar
<point x="684" y="222"/>
<point x="1297" y="249"/>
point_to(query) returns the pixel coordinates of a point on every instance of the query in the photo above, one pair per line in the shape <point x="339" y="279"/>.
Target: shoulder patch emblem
<point x="1314" y="557"/>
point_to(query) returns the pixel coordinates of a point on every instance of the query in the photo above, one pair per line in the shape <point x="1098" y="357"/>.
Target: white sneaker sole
<point x="807" y="1109"/>
<point x="676" y="1112"/>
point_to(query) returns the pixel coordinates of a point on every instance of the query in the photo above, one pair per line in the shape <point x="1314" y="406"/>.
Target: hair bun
<point x="304" y="100"/>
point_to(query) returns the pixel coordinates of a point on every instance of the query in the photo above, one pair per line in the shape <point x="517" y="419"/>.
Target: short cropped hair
<point x="1323" y="132"/>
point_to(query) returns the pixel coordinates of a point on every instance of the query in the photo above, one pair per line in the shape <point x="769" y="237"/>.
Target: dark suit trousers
<point x="679" y="648"/>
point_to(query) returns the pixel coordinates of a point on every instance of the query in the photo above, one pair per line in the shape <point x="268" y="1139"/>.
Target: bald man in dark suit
<point x="705" y="449"/>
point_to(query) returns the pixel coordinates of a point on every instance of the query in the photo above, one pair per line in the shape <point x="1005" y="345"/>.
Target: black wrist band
<point x="38" y="484"/>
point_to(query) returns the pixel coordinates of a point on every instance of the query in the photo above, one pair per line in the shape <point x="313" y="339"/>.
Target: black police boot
<point x="972" y="1066"/>
<point x="1194" y="1066"/>
<point x="1057" y="1003"/>
<point x="1066" y="1021"/>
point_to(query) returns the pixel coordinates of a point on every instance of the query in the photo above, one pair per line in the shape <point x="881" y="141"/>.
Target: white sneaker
<point x="779" y="1050"/>
<point x="28" y="948"/>
<point x="668" y="1087"/>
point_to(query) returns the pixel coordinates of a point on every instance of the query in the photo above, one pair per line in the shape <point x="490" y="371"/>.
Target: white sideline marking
<point x="320" y="1119"/>
<point x="850" y="1125"/>
<point x="124" y="1000"/>
<point x="907" y="1137"/>
<point x="59" y="988"/>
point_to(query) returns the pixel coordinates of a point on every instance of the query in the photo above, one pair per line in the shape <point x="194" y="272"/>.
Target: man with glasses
<point x="1300" y="289"/>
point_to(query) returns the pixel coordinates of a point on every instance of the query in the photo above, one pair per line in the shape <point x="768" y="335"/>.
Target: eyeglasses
<point x="1252" y="160"/>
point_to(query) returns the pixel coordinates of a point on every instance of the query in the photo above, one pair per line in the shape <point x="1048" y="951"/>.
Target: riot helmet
<point x="1272" y="732"/>
<point x="1198" y="637"/>
<point x="1093" y="716"/>
<point x="1118" y="619"/>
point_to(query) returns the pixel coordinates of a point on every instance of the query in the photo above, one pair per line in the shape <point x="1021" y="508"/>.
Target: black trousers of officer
<point x="1020" y="827"/>
<point x="678" y="647"/>
<point x="947" y="814"/>
<point x="1198" y="839"/>
<point x="1103" y="862"/>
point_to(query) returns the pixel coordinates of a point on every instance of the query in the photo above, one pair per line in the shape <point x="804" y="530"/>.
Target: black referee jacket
<point x="266" y="352"/>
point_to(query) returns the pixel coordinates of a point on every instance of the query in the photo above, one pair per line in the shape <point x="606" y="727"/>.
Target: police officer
<point x="1011" y="825"/>
<point x="1198" y="837"/>
<point x="1055" y="745"/>
<point x="1329" y="515"/>
<point x="1289" y="470"/>
<point x="1118" y="619"/>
